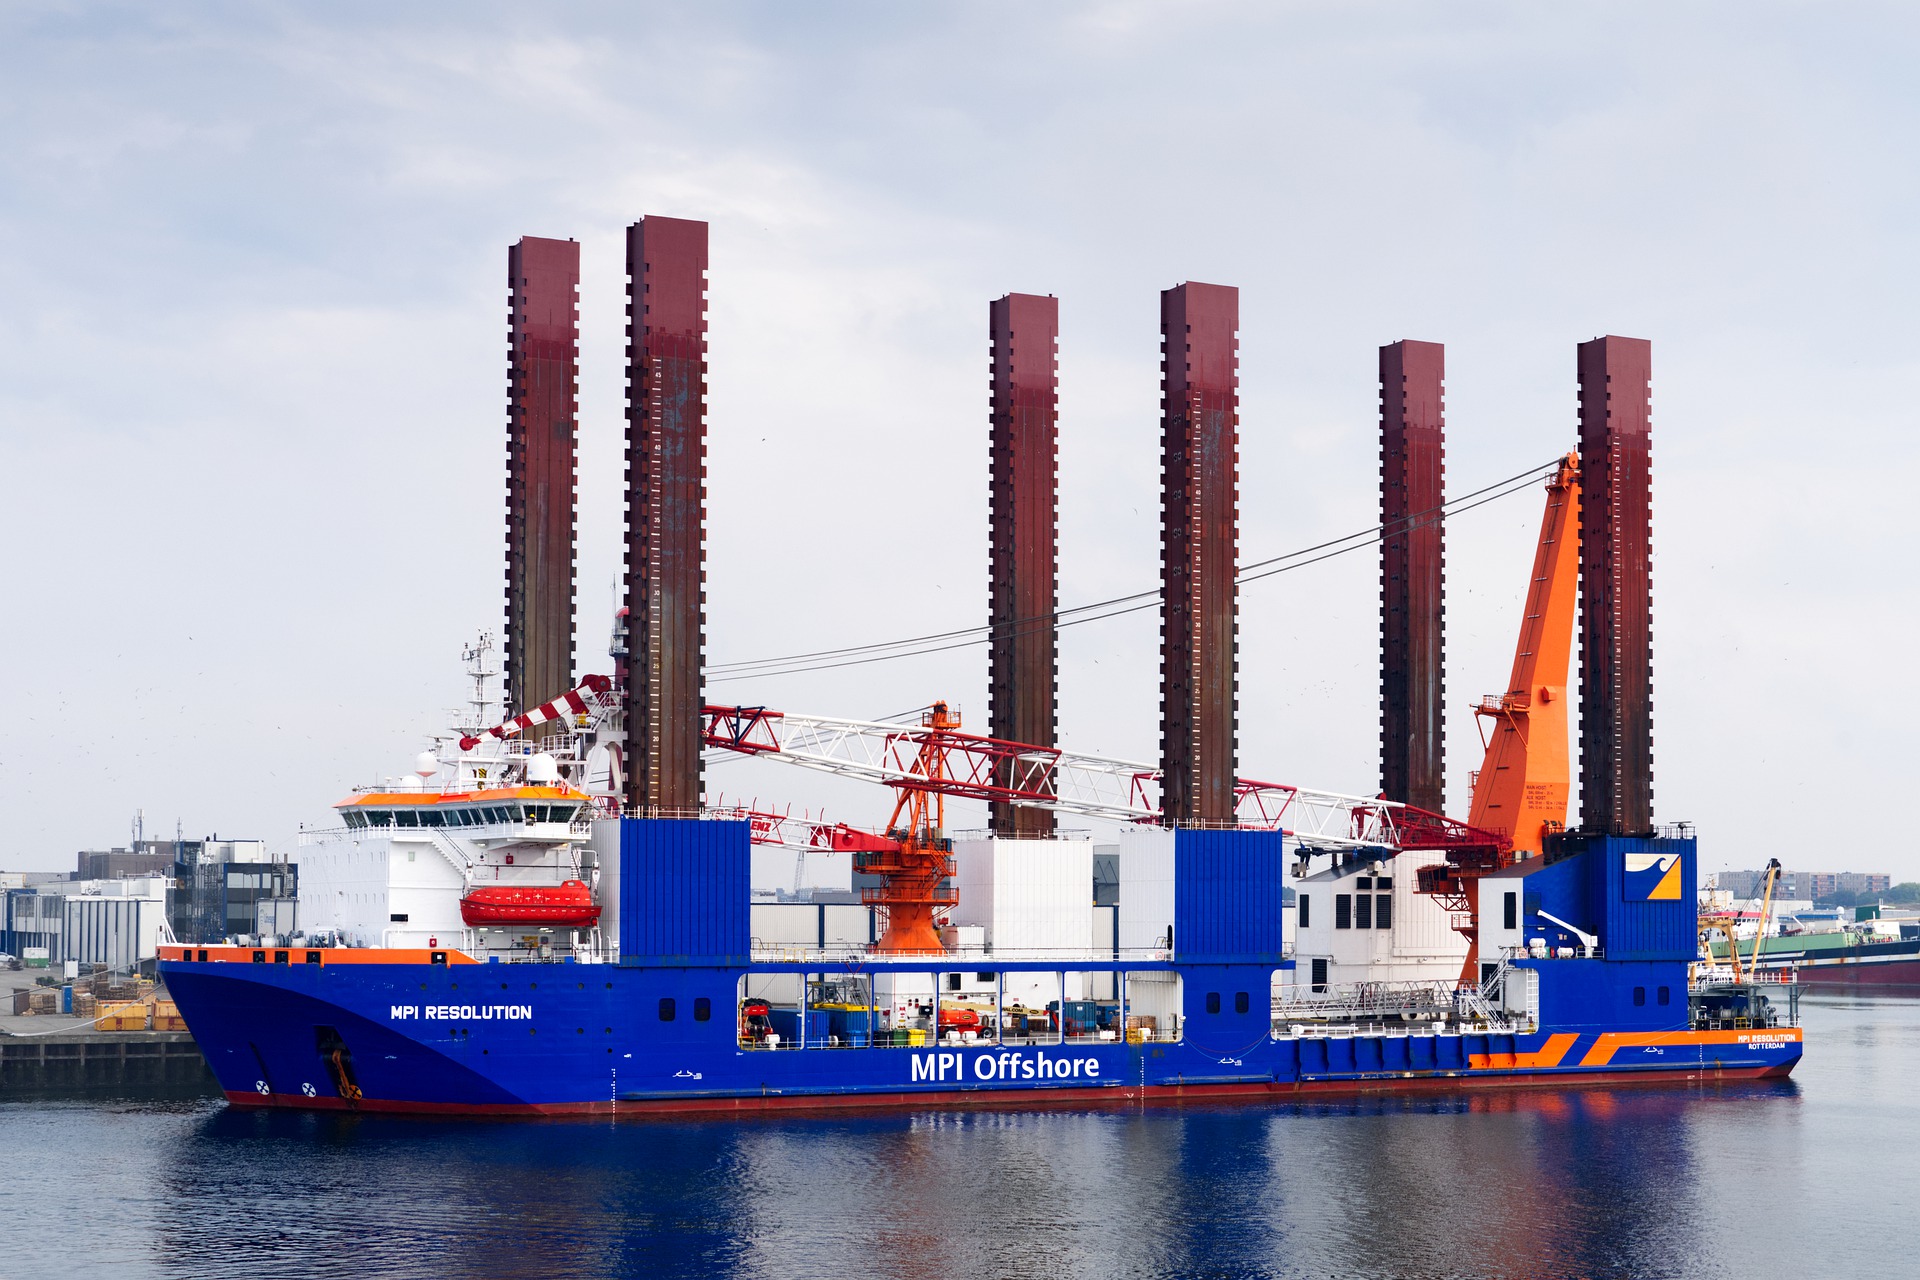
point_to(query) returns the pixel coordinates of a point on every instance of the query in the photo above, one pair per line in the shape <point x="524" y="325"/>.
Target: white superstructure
<point x="1367" y="921"/>
<point x="485" y="818"/>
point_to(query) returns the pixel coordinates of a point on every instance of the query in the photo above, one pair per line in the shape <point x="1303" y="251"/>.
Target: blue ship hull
<point x="564" y="1037"/>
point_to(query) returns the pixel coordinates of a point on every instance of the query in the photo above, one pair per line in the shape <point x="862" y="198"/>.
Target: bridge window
<point x="380" y="818"/>
<point x="1343" y="911"/>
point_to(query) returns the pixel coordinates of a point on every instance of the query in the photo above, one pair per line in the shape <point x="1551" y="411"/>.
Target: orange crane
<point x="1521" y="790"/>
<point x="1523" y="784"/>
<point x="915" y="866"/>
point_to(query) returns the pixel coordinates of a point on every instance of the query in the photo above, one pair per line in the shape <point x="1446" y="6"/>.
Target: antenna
<point x="480" y="670"/>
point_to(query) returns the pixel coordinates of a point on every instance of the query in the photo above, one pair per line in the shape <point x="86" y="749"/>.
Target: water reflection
<point x="1599" y="1182"/>
<point x="1797" y="1178"/>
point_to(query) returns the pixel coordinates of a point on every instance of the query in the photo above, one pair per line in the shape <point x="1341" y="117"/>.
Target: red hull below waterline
<point x="969" y="1099"/>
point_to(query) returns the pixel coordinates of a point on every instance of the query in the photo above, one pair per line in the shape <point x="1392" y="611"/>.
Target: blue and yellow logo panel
<point x="1653" y="877"/>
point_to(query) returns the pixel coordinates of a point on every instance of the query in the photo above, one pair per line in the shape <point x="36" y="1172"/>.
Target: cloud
<point x="251" y="369"/>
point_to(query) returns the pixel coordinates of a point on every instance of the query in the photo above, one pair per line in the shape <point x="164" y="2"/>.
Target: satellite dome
<point x="541" y="770"/>
<point x="425" y="764"/>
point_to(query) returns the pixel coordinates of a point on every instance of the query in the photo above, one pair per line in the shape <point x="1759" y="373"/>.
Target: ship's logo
<point x="1653" y="877"/>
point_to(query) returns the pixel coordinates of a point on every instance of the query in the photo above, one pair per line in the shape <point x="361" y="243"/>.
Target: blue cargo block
<point x="1636" y="892"/>
<point x="685" y="888"/>
<point x="1228" y="891"/>
<point x="1650" y="897"/>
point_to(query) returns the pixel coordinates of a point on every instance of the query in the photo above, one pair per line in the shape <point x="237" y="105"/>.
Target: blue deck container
<point x="685" y="888"/>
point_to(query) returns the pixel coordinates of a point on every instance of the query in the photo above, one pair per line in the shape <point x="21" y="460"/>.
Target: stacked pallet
<point x="166" y="1016"/>
<point x="123" y="1016"/>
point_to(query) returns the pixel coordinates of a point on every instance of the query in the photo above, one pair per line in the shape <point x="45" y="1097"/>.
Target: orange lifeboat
<point x="569" y="905"/>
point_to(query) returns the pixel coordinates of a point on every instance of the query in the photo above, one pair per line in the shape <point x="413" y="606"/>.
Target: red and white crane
<point x="592" y="696"/>
<point x="935" y="758"/>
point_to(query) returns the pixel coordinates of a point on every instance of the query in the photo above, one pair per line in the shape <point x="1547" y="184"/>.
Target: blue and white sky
<point x="252" y="373"/>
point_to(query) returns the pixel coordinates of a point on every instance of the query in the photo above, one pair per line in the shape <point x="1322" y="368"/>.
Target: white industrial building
<point x="118" y="923"/>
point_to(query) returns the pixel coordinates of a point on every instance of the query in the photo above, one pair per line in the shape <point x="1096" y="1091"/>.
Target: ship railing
<point x="582" y="954"/>
<point x="534" y="830"/>
<point x="961" y="958"/>
<point x="1720" y="975"/>
<point x="453" y="853"/>
<point x="1363" y="1001"/>
<point x="1472" y="1005"/>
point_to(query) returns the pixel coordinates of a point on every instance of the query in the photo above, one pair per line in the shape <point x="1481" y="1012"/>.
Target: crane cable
<point x="915" y="646"/>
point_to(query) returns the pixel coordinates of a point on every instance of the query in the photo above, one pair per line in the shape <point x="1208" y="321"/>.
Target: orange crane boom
<point x="1521" y="790"/>
<point x="1524" y="781"/>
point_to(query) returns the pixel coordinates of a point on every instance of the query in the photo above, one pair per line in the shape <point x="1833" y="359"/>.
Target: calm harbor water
<point x="1811" y="1177"/>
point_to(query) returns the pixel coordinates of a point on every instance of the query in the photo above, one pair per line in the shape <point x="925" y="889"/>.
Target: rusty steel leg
<point x="543" y="370"/>
<point x="1413" y="718"/>
<point x="1023" y="587"/>
<point x="666" y="504"/>
<point x="1616" y="587"/>
<point x="1200" y="461"/>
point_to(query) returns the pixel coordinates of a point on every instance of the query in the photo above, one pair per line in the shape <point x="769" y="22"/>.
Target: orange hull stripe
<point x="1613" y="1041"/>
<point x="1549" y="1054"/>
<point x="328" y="955"/>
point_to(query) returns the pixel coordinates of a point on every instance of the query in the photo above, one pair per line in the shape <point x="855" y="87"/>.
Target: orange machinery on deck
<point x="915" y="866"/>
<point x="1520" y="793"/>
